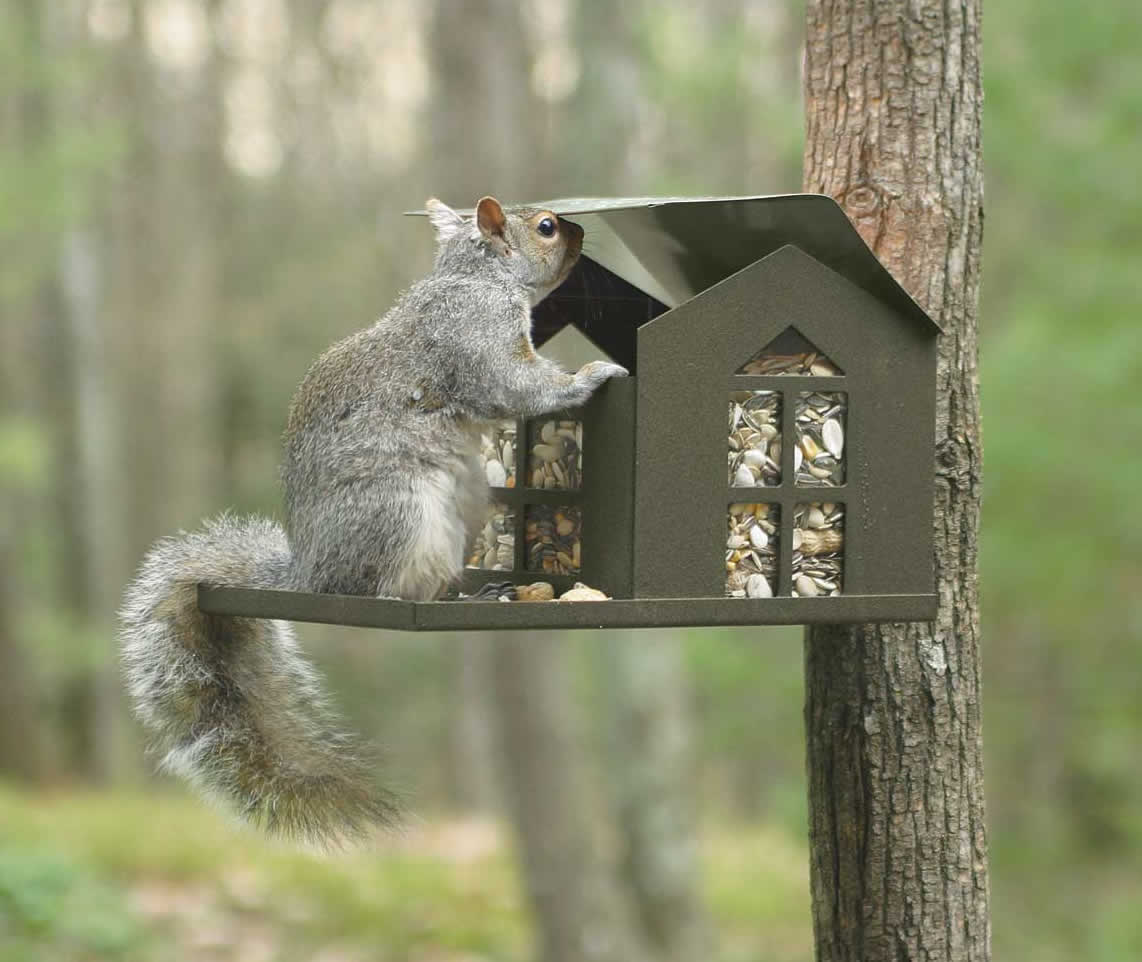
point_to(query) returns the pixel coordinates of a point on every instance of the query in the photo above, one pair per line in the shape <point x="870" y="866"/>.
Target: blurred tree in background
<point x="197" y="196"/>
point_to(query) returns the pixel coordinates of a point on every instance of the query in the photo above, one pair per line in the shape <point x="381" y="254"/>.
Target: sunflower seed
<point x="820" y="437"/>
<point x="834" y="436"/>
<point x="494" y="544"/>
<point x="754" y="438"/>
<point x="757" y="586"/>
<point x="751" y="526"/>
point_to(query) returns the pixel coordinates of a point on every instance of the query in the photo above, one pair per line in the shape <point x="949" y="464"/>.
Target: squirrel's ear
<point x="443" y="218"/>
<point x="490" y="218"/>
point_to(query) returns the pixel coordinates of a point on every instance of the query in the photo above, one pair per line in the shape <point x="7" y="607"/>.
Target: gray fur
<point x="383" y="488"/>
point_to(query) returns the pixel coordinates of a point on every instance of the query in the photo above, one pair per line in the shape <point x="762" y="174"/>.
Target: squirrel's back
<point x="380" y="474"/>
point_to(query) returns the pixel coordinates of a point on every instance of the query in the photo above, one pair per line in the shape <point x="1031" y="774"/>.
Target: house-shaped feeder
<point x="768" y="461"/>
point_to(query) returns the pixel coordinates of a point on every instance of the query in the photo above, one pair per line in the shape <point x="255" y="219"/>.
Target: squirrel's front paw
<point x="599" y="371"/>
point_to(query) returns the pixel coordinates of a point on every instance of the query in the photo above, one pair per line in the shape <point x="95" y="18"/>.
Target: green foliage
<point x="50" y="903"/>
<point x="53" y="152"/>
<point x="154" y="878"/>
<point x="25" y="456"/>
<point x="1062" y="359"/>
<point x="747" y="698"/>
<point x="1061" y="541"/>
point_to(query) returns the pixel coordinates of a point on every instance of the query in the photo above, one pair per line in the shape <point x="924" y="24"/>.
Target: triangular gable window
<point x="790" y="353"/>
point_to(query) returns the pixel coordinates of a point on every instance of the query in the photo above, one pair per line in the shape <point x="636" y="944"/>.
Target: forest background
<point x="197" y="196"/>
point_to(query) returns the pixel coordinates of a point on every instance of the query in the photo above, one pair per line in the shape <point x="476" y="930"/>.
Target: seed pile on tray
<point x="818" y="457"/>
<point x="751" y="550"/>
<point x="754" y="439"/>
<point x="809" y="363"/>
<point x="497" y="447"/>
<point x="555" y="454"/>
<point x="540" y="591"/>
<point x="818" y="549"/>
<point x="494" y="546"/>
<point x="552" y="539"/>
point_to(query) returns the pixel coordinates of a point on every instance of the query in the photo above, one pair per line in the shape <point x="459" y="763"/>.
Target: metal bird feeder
<point x="768" y="461"/>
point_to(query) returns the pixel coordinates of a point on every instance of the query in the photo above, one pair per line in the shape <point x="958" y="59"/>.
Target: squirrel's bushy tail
<point x="230" y="703"/>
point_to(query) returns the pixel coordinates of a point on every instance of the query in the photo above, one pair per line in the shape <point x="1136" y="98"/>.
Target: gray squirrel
<point x="383" y="488"/>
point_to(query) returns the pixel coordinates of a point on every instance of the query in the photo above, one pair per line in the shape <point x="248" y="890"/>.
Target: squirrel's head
<point x="534" y="246"/>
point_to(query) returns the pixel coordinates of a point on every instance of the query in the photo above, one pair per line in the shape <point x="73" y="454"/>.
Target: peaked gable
<point x="786" y="288"/>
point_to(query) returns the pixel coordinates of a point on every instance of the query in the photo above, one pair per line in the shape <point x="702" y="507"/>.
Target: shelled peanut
<point x="818" y="549"/>
<point x="555" y="454"/>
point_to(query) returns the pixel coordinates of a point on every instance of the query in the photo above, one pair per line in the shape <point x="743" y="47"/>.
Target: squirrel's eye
<point x="546" y="227"/>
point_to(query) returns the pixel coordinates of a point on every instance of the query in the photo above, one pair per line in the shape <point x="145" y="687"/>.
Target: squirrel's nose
<point x="571" y="229"/>
<point x="574" y="235"/>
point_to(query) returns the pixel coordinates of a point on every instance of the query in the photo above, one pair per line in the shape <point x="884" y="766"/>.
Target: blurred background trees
<point x="197" y="196"/>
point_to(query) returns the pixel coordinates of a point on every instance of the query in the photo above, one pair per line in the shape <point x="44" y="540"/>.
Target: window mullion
<point x="788" y="484"/>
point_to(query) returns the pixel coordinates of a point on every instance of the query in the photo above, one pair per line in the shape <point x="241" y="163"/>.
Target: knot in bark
<point x="861" y="201"/>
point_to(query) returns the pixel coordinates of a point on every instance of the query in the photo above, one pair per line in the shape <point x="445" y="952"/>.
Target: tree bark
<point x="578" y="910"/>
<point x="896" y="810"/>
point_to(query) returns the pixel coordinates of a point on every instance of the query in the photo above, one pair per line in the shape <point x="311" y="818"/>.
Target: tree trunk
<point x="899" y="849"/>
<point x="578" y="911"/>
<point x="651" y="778"/>
<point x="473" y="778"/>
<point x="483" y="104"/>
<point x="21" y="742"/>
<point x="483" y="101"/>
<point x="102" y="492"/>
<point x="189" y="184"/>
<point x="24" y="134"/>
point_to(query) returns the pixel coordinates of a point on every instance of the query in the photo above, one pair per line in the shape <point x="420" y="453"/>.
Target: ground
<point x="143" y="877"/>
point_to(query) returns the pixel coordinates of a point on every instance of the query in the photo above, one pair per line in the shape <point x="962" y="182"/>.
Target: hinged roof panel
<point x="673" y="248"/>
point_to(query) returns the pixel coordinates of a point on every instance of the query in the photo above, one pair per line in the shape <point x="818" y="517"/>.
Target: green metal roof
<point x="673" y="248"/>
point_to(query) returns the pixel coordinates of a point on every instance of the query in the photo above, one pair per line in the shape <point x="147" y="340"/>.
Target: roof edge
<point x="851" y="257"/>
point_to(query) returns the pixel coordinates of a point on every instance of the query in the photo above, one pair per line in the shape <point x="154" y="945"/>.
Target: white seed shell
<point x="805" y="587"/>
<point x="497" y="476"/>
<point x="834" y="437"/>
<point x="757" y="586"/>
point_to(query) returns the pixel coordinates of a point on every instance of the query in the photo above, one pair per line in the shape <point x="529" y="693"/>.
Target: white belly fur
<point x="448" y="506"/>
